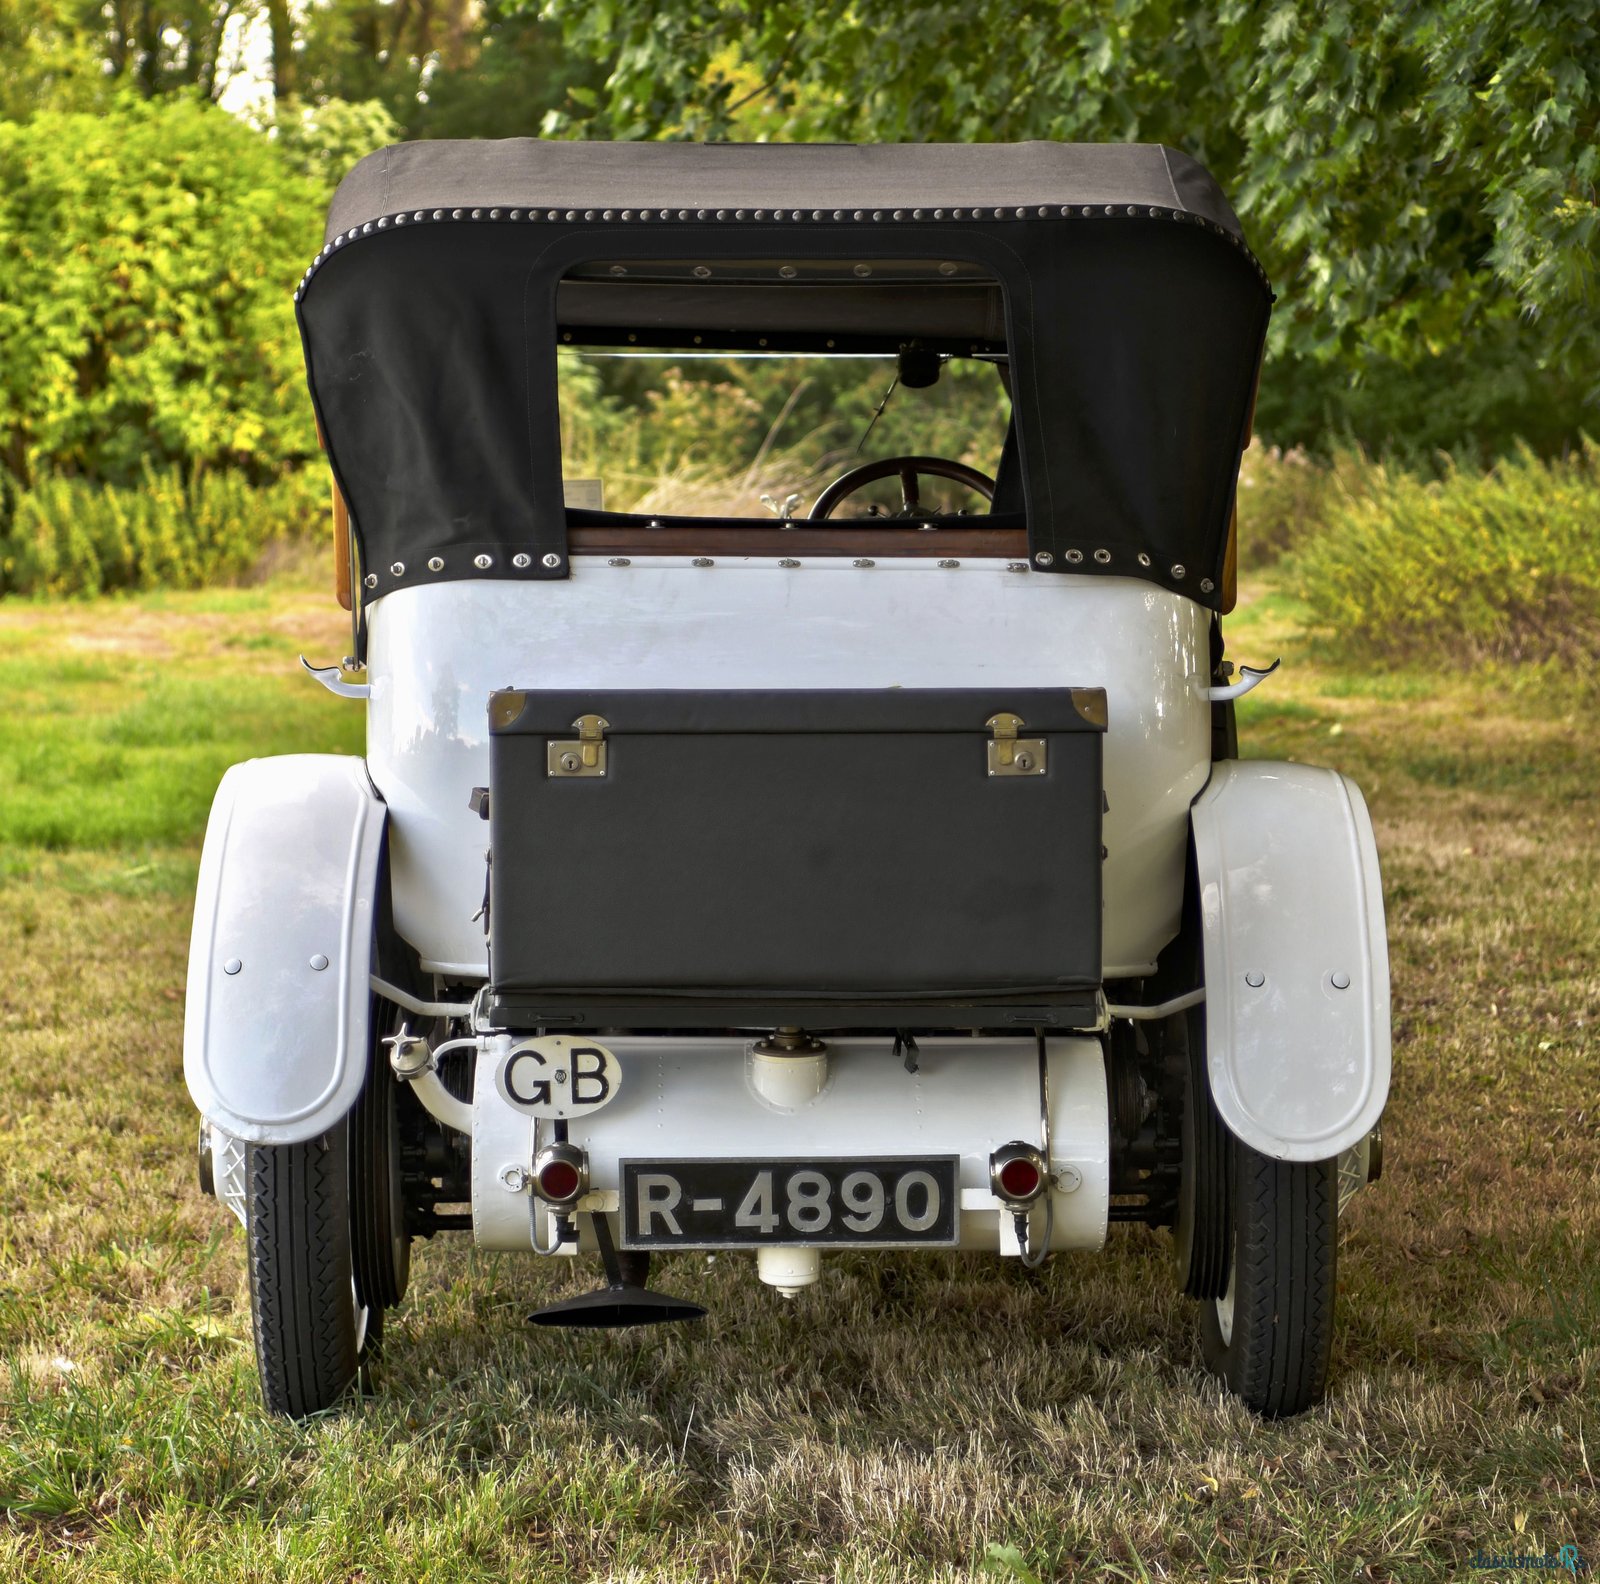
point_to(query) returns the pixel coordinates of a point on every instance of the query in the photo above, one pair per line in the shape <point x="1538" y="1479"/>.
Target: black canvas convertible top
<point x="1131" y="311"/>
<point x="769" y="177"/>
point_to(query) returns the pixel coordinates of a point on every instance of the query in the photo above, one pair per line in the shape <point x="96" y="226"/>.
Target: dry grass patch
<point x="941" y="1418"/>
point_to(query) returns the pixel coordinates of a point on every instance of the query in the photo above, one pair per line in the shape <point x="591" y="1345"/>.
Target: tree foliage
<point x="147" y="255"/>
<point x="437" y="68"/>
<point x="45" y="61"/>
<point x="149" y="242"/>
<point x="460" y="68"/>
<point x="1420" y="180"/>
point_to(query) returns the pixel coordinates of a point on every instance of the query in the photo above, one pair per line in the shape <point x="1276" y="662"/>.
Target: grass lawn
<point x="908" y="1418"/>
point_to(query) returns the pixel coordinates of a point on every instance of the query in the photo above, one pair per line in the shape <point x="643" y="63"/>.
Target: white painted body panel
<point x="434" y="655"/>
<point x="686" y="1097"/>
<point x="1291" y="901"/>
<point x="276" y="1051"/>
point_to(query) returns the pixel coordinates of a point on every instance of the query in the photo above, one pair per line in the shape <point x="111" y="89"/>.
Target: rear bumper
<point x="697" y="1098"/>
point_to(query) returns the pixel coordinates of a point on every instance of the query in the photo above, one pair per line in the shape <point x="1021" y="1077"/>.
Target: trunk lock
<point x="586" y="756"/>
<point x="1009" y="754"/>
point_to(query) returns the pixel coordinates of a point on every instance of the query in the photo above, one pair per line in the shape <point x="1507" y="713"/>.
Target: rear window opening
<point x="766" y="407"/>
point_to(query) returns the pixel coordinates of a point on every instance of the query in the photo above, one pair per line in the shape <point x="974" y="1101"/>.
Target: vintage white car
<point x="881" y="875"/>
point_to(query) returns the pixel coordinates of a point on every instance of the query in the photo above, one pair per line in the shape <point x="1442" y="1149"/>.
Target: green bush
<point x="70" y="536"/>
<point x="1284" y="497"/>
<point x="1503" y="565"/>
<point x="148" y="257"/>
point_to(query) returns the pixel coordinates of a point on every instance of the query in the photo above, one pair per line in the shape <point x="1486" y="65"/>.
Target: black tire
<point x="380" y="1241"/>
<point x="1269" y="1335"/>
<point x="1203" y="1232"/>
<point x="308" y="1329"/>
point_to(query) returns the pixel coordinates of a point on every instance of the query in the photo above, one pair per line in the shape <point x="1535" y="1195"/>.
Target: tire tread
<point x="1286" y="1214"/>
<point x="301" y="1297"/>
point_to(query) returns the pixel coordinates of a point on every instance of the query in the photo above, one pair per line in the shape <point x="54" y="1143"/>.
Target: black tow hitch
<point x="623" y="1301"/>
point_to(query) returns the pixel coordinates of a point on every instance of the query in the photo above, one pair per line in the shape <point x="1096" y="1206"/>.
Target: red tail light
<point x="1017" y="1173"/>
<point x="559" y="1173"/>
<point x="1020" y="1179"/>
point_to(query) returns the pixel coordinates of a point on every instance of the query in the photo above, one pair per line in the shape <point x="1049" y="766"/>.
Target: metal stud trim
<point x="793" y="217"/>
<point x="1072" y="559"/>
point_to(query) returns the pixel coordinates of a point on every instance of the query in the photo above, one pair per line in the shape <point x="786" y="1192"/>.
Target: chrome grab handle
<point x="330" y="677"/>
<point x="1253" y="676"/>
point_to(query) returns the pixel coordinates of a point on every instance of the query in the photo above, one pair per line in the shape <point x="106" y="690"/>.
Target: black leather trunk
<point x="852" y="857"/>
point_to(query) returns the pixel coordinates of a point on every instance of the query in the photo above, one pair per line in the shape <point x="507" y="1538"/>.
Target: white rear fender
<point x="1296" y="959"/>
<point x="275" y="1031"/>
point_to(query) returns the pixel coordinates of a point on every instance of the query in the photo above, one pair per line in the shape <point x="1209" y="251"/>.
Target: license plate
<point x="892" y="1201"/>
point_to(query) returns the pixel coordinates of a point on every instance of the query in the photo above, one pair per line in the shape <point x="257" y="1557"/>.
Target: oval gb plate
<point x="558" y="1077"/>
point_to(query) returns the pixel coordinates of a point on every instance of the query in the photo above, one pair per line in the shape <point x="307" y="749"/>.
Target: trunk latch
<point x="586" y="756"/>
<point x="1009" y="754"/>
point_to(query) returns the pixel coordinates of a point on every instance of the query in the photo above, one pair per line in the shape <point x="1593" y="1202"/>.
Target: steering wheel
<point x="910" y="469"/>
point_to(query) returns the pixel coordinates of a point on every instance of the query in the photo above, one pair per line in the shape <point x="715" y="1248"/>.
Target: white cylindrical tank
<point x="690" y="1097"/>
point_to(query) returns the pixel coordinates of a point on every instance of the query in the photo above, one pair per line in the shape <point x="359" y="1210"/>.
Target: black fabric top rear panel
<point x="1134" y="343"/>
<point x="523" y="172"/>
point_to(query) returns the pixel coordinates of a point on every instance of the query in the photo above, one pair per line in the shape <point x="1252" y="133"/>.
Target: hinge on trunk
<point x="1009" y="754"/>
<point x="586" y="756"/>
